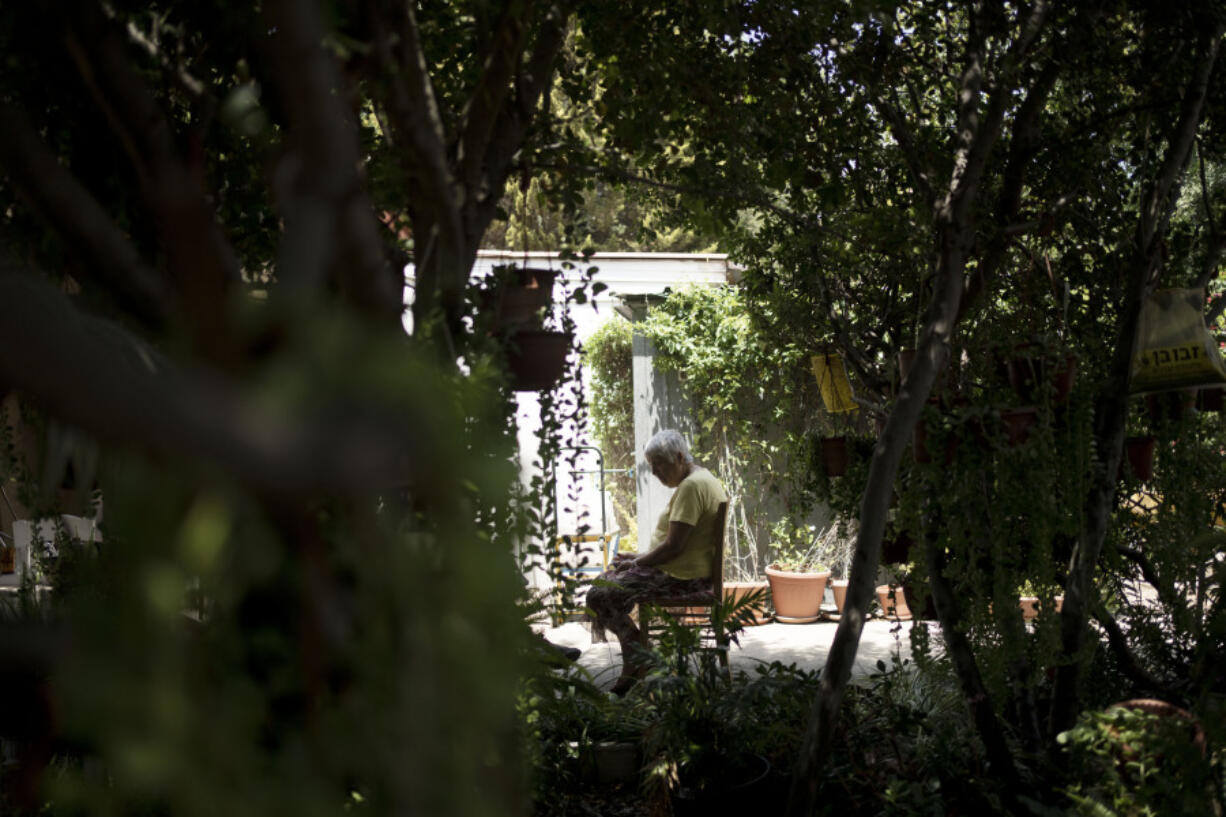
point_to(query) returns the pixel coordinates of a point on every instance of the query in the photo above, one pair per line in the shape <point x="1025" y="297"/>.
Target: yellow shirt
<point x="695" y="502"/>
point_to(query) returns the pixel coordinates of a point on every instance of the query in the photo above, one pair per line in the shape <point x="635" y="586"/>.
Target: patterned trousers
<point x="613" y="596"/>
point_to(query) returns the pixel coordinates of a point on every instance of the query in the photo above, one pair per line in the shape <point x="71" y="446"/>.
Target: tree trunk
<point x="1111" y="407"/>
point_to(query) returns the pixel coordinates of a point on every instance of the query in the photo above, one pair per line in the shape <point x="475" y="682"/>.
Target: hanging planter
<point x="834" y="456"/>
<point x="519" y="299"/>
<point x="536" y="359"/>
<point x="920" y="448"/>
<point x="1017" y="423"/>
<point x="1029" y="370"/>
<point x="1170" y="406"/>
<point x="832" y="382"/>
<point x="1139" y="457"/>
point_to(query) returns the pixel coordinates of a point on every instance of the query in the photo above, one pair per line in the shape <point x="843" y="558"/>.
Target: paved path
<point x="805" y="645"/>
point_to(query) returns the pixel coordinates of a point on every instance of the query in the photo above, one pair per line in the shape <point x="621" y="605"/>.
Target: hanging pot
<point x="1029" y="369"/>
<point x="1017" y="423"/>
<point x="834" y="456"/>
<point x="536" y="359"/>
<point x="1170" y="406"/>
<point x="919" y="446"/>
<point x="1139" y="457"/>
<point x="522" y="299"/>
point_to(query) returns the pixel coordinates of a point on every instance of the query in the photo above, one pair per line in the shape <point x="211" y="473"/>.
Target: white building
<point x="633" y="282"/>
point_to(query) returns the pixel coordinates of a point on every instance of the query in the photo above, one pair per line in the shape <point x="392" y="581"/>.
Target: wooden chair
<point x="697" y="610"/>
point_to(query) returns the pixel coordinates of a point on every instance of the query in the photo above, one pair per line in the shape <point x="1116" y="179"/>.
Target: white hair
<point x="666" y="445"/>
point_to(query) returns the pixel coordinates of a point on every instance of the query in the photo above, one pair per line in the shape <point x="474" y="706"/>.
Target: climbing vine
<point x="754" y="410"/>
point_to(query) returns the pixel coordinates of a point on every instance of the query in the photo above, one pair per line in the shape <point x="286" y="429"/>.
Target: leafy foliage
<point x="608" y="356"/>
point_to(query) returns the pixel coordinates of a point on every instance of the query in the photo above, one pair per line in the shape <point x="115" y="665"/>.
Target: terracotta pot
<point x="1138" y="458"/>
<point x="735" y="591"/>
<point x="1029" y="606"/>
<point x="536" y="359"/>
<point x="834" y="456"/>
<point x="1017" y="423"/>
<point x="1154" y="706"/>
<point x="797" y="596"/>
<point x="838" y="588"/>
<point x="1059" y="603"/>
<point x="893" y="604"/>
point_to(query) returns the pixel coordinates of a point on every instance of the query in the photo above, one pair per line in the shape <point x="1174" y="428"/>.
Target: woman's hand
<point x="622" y="561"/>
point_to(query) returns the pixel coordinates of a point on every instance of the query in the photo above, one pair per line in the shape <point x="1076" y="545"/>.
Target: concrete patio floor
<point x="805" y="645"/>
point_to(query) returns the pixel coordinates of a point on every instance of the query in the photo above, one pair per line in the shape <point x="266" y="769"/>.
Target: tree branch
<point x="78" y="218"/>
<point x="486" y="102"/>
<point x="1111" y="403"/>
<point x="93" y="374"/>
<point x="513" y="120"/>
<point x="331" y="232"/>
<point x="1217" y="237"/>
<point x="200" y="258"/>
<point x="1128" y="662"/>
<point x="1160" y="201"/>
<point x="417" y="117"/>
<point x="1141" y="561"/>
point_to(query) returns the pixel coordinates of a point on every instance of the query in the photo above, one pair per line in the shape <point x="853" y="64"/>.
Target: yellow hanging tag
<point x="833" y="383"/>
<point x="1175" y="349"/>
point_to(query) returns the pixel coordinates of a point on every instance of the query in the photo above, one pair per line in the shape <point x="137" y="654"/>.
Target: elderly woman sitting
<point x="679" y="561"/>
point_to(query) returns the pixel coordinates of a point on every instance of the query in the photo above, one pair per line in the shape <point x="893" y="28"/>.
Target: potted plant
<point x="893" y="601"/>
<point x="837" y="545"/>
<point x="1028" y="601"/>
<point x="797" y="576"/>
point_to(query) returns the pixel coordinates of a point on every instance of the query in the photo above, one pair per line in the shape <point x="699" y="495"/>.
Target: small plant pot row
<point x="1029" y="371"/>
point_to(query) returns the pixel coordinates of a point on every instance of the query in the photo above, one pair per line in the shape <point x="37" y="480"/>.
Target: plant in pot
<point x="797" y="575"/>
<point x="1028" y="601"/>
<point x="892" y="598"/>
<point x="743" y="578"/>
<point x="836" y="547"/>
